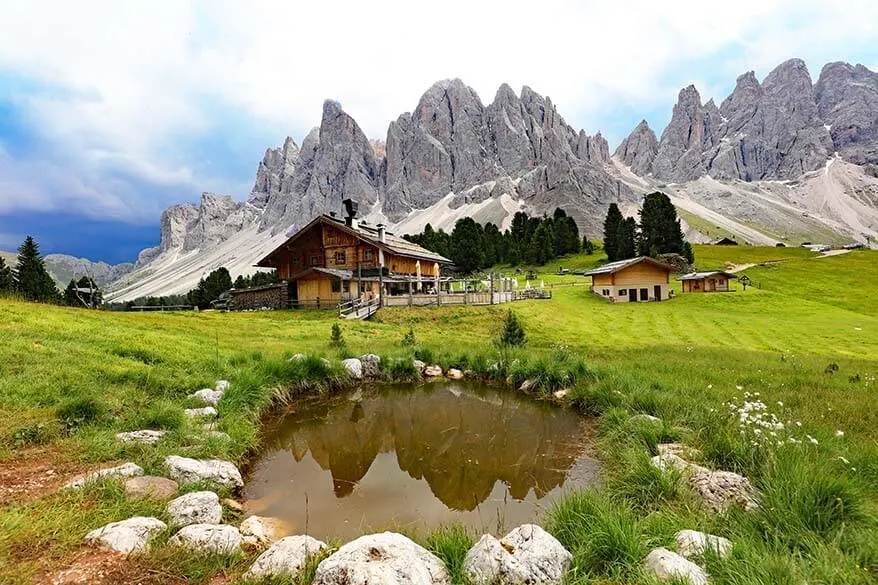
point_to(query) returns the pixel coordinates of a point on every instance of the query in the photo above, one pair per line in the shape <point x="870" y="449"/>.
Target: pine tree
<point x="625" y="240"/>
<point x="512" y="334"/>
<point x="208" y="289"/>
<point x="467" y="245"/>
<point x="611" y="231"/>
<point x="493" y="245"/>
<point x="571" y="243"/>
<point x="542" y="244"/>
<point x="587" y="246"/>
<point x="31" y="278"/>
<point x="660" y="231"/>
<point x="7" y="283"/>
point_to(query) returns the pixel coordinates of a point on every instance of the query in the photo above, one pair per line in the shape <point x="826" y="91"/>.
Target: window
<point x="336" y="286"/>
<point x="339" y="257"/>
<point x="368" y="255"/>
<point x="315" y="260"/>
<point x="623" y="292"/>
<point x="346" y="286"/>
<point x="295" y="263"/>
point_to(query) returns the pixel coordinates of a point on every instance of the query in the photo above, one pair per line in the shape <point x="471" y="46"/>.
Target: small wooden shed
<point x="633" y="280"/>
<point x="715" y="281"/>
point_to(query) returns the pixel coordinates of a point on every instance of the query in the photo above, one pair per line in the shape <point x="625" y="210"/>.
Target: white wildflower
<point x="839" y="433"/>
<point x="843" y="460"/>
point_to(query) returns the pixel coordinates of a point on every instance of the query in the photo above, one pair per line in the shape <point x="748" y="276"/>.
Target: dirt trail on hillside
<point x="833" y="253"/>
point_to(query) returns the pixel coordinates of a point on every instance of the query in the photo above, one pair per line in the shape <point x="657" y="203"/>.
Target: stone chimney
<point x="382" y="236"/>
<point x="350" y="207"/>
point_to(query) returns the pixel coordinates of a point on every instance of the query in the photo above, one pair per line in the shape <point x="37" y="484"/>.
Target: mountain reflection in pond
<point x="417" y="458"/>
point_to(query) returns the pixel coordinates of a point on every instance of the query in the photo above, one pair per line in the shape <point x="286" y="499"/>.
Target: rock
<point x="691" y="543"/>
<point x="219" y="539"/>
<point x="259" y="532"/>
<point x="371" y="365"/>
<point x="147" y="436"/>
<point x="353" y="367"/>
<point x="285" y="558"/>
<point x="454" y="374"/>
<point x="671" y="461"/>
<point x="528" y="385"/>
<point x="667" y="565"/>
<point x="678" y="449"/>
<point x="222" y="385"/>
<point x="560" y="394"/>
<point x="195" y="508"/>
<point x="297" y="357"/>
<point x="721" y="490"/>
<point x="216" y="435"/>
<point x="208" y="396"/>
<point x="186" y="470"/>
<point x="691" y="131"/>
<point x="233" y="505"/>
<point x="419" y="366"/>
<point x="128" y="536"/>
<point x="847" y="99"/>
<point x="207" y="411"/>
<point x="151" y="486"/>
<point x="528" y="554"/>
<point x="387" y="558"/>
<point x="119" y="471"/>
<point x="638" y="150"/>
<point x="645" y="418"/>
<point x="432" y="371"/>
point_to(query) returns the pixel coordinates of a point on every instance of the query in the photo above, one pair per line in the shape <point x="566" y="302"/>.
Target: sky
<point x="112" y="111"/>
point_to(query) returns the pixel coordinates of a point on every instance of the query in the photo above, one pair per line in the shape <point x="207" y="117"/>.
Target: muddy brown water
<point x="415" y="458"/>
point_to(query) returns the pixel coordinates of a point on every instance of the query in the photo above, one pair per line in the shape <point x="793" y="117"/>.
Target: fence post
<point x="491" y="289"/>
<point x="318" y="303"/>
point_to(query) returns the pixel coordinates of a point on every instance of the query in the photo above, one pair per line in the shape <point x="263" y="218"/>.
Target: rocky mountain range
<point x="62" y="268"/>
<point x="454" y="156"/>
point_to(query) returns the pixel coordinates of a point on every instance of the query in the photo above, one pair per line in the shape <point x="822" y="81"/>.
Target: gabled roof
<point x="703" y="275"/>
<point x="614" y="267"/>
<point x="393" y="244"/>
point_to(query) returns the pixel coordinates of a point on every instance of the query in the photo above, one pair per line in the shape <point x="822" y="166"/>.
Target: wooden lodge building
<point x="331" y="261"/>
<point x="716" y="281"/>
<point x="634" y="280"/>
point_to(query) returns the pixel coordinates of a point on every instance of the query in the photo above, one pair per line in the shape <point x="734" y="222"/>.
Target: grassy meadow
<point x="805" y="339"/>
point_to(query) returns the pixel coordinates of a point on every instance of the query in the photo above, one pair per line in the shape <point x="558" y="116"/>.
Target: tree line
<point x="29" y="277"/>
<point x="529" y="240"/>
<point x="209" y="289"/>
<point x="658" y="232"/>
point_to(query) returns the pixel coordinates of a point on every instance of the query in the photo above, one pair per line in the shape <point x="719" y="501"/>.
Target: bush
<point x="80" y="411"/>
<point x="409" y="339"/>
<point x="512" y="334"/>
<point x="336" y="339"/>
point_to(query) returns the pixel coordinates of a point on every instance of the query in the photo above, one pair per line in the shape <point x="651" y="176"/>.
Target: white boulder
<point x="667" y="565"/>
<point x="146" y="436"/>
<point x="128" y="536"/>
<point x="560" y="394"/>
<point x="195" y="508"/>
<point x="220" y="539"/>
<point x="222" y="385"/>
<point x="353" y="367"/>
<point x="371" y="365"/>
<point x="119" y="471"/>
<point x="386" y="558"/>
<point x="260" y="531"/>
<point x="433" y="371"/>
<point x="528" y="385"/>
<point x="186" y="470"/>
<point x="691" y="543"/>
<point x="208" y="396"/>
<point x="528" y="554"/>
<point x="721" y="490"/>
<point x="151" y="486"/>
<point x="207" y="411"/>
<point x="296" y="357"/>
<point x="454" y="374"/>
<point x="285" y="558"/>
<point x="419" y="365"/>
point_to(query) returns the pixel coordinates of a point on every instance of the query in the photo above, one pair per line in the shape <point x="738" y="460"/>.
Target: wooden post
<point x="491" y="288"/>
<point x="410" y="292"/>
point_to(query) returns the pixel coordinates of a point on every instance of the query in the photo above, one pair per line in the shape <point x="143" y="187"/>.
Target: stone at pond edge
<point x="678" y="449"/>
<point x="222" y="385"/>
<point x="353" y="367"/>
<point x="527" y="554"/>
<point x="233" y="505"/>
<point x="286" y="557"/>
<point x="195" y="508"/>
<point x="667" y="565"/>
<point x="454" y="374"/>
<point x="186" y="470"/>
<point x="691" y="543"/>
<point x="220" y="539"/>
<point x="207" y="411"/>
<point x="371" y="365"/>
<point x="433" y="371"/>
<point x="260" y="531"/>
<point x="419" y="366"/>
<point x="719" y="490"/>
<point x="386" y="558"/>
<point x="151" y="486"/>
<point x="147" y="436"/>
<point x="527" y="385"/>
<point x="208" y="396"/>
<point x="119" y="471"/>
<point x="127" y="536"/>
<point x="560" y="394"/>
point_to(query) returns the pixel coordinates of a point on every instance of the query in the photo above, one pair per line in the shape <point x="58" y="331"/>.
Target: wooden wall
<point x="642" y="273"/>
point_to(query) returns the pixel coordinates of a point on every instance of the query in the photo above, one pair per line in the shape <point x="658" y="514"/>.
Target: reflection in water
<point x="417" y="458"/>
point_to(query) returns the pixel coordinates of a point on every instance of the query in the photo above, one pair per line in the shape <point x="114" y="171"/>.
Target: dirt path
<point x="733" y="268"/>
<point x="833" y="253"/>
<point x="34" y="473"/>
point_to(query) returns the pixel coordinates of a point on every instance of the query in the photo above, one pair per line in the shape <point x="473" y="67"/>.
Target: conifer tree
<point x="660" y="231"/>
<point x="542" y="244"/>
<point x="467" y="245"/>
<point x="611" y="232"/>
<point x="31" y="278"/>
<point x="626" y="239"/>
<point x="7" y="283"/>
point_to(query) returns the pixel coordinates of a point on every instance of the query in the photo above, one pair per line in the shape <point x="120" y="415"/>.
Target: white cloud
<point x="136" y="77"/>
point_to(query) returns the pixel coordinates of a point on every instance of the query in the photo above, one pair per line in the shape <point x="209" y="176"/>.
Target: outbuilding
<point x="715" y="281"/>
<point x="633" y="280"/>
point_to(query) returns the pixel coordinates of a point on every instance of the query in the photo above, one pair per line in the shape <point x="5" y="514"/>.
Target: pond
<point x="414" y="458"/>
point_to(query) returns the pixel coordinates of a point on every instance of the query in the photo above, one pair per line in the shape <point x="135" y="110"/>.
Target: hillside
<point x="62" y="268"/>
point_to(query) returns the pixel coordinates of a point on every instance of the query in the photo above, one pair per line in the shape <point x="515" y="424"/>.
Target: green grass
<point x="70" y="379"/>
